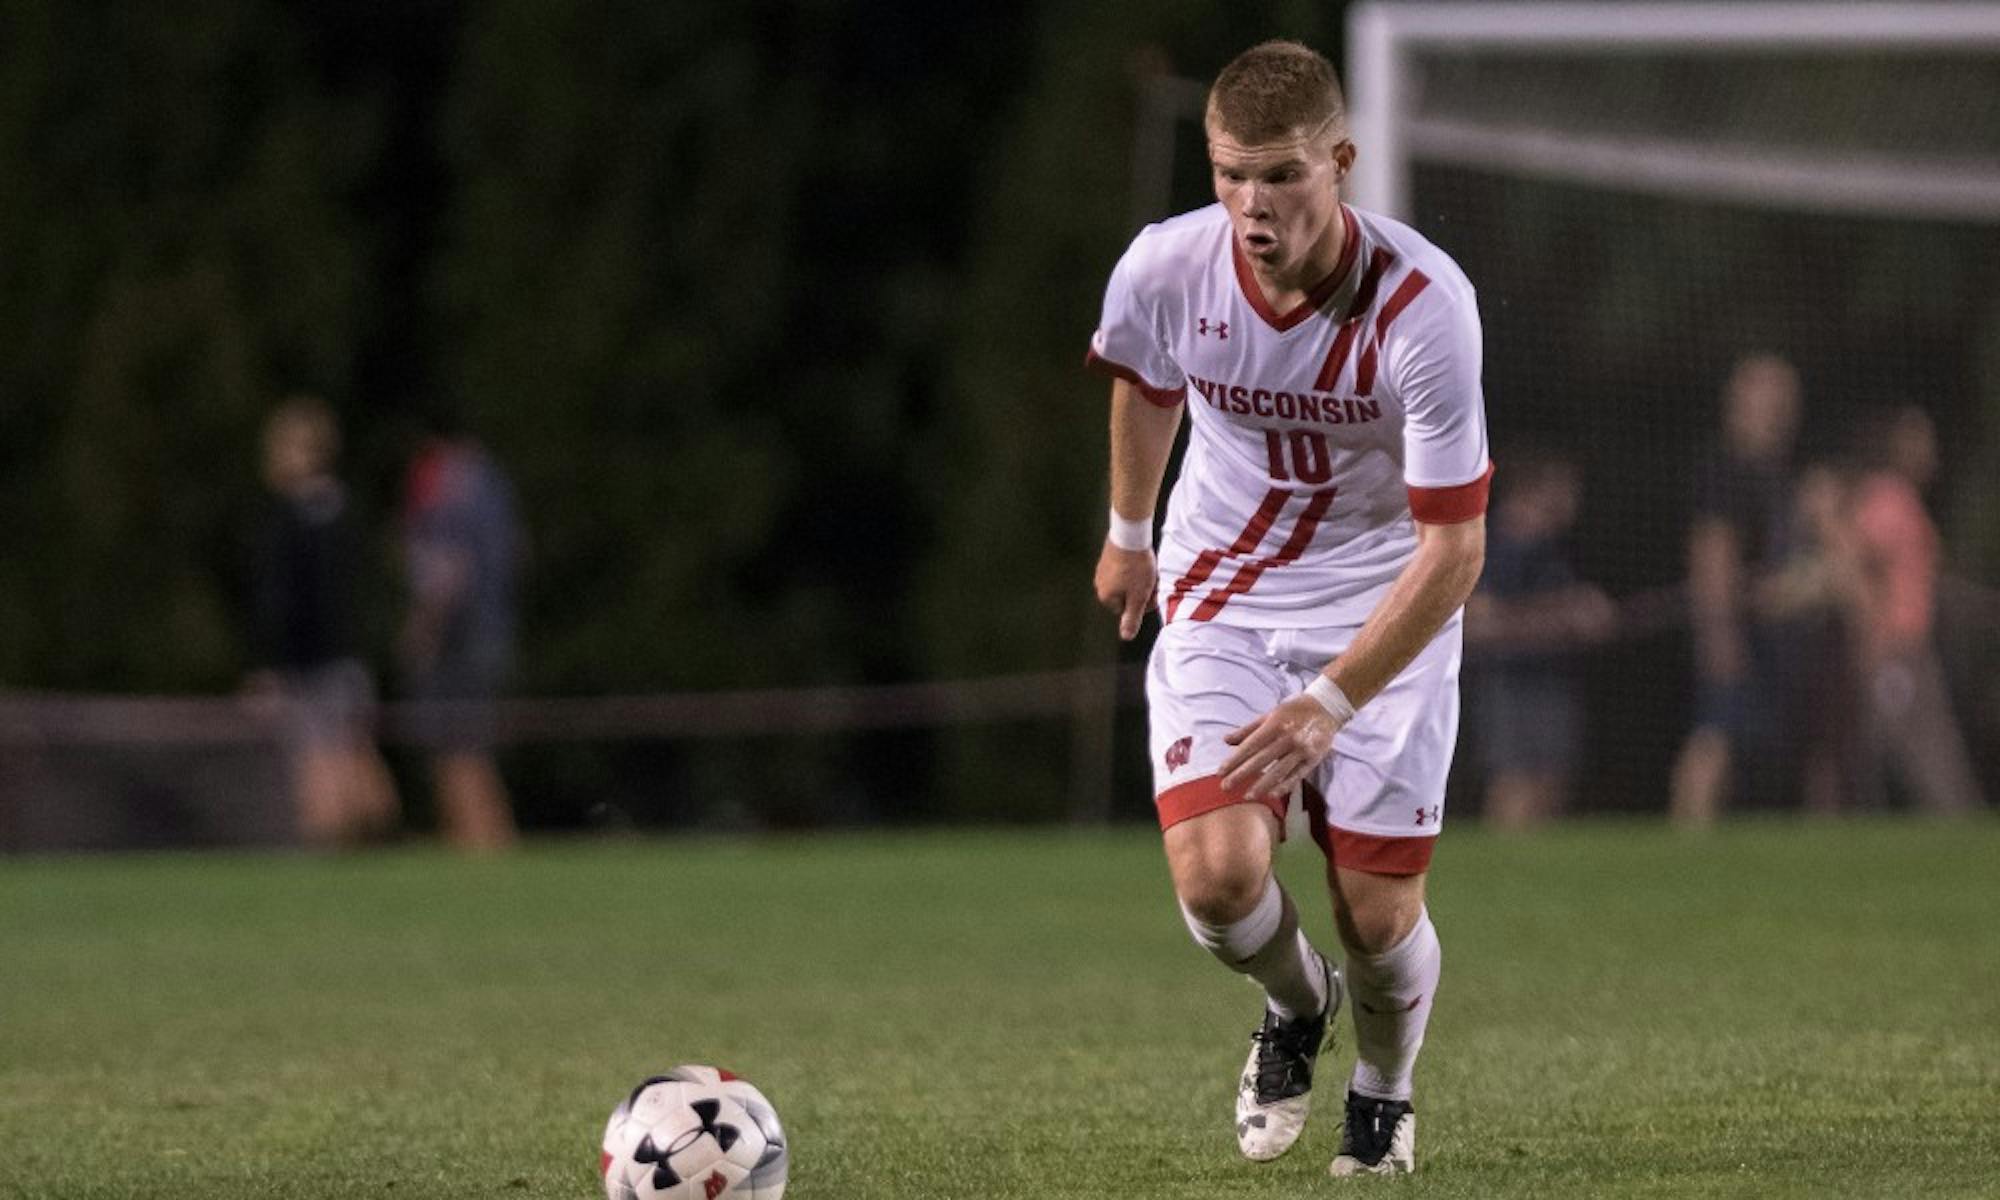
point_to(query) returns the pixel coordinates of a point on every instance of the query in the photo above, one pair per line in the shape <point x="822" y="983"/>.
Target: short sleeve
<point x="1435" y="360"/>
<point x="1130" y="344"/>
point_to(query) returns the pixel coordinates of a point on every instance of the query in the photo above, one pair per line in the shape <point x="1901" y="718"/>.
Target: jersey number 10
<point x="1310" y="459"/>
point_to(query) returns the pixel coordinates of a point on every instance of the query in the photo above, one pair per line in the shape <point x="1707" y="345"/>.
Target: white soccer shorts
<point x="1376" y="803"/>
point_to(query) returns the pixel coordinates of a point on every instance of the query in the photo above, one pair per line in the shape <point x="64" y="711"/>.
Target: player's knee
<point x="1374" y="913"/>
<point x="1221" y="889"/>
<point x="1221" y="861"/>
<point x="1378" y="924"/>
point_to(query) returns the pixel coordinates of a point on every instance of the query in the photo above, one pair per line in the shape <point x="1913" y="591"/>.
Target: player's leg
<point x="1236" y="909"/>
<point x="1203" y="682"/>
<point x="1384" y="805"/>
<point x="1393" y="965"/>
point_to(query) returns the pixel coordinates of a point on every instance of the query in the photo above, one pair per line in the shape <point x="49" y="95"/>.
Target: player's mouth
<point x="1259" y="243"/>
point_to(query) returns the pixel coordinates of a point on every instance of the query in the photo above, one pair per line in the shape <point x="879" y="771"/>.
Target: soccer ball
<point x="694" y="1133"/>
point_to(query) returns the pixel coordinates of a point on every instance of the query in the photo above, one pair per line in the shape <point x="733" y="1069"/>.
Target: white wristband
<point x="1331" y="698"/>
<point x="1127" y="534"/>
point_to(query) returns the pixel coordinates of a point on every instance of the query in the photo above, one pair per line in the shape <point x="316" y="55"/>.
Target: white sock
<point x="1392" y="995"/>
<point x="1269" y="947"/>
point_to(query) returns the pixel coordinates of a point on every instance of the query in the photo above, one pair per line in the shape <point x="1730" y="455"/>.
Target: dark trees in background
<point x="774" y="311"/>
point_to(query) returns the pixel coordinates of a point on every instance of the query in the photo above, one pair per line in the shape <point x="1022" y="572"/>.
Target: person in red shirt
<point x="1887" y="555"/>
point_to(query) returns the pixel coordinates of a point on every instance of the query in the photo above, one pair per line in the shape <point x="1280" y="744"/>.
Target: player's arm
<point x="1436" y="583"/>
<point x="1142" y="439"/>
<point x="1275" y="751"/>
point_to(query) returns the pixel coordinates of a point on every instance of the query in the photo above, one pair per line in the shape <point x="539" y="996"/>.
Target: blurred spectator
<point x="1525" y="623"/>
<point x="1886" y="556"/>
<point x="1743" y="528"/>
<point x="1799" y="603"/>
<point x="304" y="637"/>
<point x="457" y="642"/>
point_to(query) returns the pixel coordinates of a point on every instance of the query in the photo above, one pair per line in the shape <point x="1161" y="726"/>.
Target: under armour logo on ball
<point x="649" y="1151"/>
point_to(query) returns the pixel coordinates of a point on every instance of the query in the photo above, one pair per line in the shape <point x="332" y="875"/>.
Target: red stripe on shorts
<point x="1412" y="286"/>
<point x="1251" y="537"/>
<point x="1247" y="575"/>
<point x="1378" y="855"/>
<point x="1197" y="796"/>
<point x="1350" y="324"/>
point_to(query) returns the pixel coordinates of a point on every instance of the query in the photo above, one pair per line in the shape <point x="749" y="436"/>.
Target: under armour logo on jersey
<point x="1426" y="816"/>
<point x="1219" y="328"/>
<point x="1177" y="754"/>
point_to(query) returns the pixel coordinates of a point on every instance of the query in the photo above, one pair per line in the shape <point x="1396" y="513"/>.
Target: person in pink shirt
<point x="1887" y="555"/>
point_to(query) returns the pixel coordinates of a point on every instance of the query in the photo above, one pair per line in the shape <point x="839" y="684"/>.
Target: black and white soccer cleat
<point x="1378" y="1138"/>
<point x="1275" y="1091"/>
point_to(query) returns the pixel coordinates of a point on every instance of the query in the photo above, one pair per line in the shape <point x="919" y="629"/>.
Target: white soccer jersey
<point x="1319" y="435"/>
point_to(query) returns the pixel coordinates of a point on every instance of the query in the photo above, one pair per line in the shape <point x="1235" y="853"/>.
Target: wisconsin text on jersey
<point x="1286" y="406"/>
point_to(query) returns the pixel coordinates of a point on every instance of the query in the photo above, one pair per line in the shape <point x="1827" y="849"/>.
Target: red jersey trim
<point x="1378" y="855"/>
<point x="1164" y="397"/>
<point x="1185" y="801"/>
<point x="1451" y="505"/>
<point x="1246" y="278"/>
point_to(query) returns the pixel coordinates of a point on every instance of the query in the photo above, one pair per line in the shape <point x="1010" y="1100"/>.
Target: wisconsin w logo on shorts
<point x="1177" y="754"/>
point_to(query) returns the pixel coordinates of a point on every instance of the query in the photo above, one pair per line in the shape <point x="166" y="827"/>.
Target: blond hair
<point x="1274" y="91"/>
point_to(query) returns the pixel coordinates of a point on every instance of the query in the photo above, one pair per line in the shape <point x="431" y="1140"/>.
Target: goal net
<point x="1644" y="194"/>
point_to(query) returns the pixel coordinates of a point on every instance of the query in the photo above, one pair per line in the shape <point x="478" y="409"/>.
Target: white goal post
<point x="1383" y="39"/>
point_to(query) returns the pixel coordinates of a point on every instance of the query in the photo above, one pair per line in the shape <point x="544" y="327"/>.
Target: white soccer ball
<point x="694" y="1133"/>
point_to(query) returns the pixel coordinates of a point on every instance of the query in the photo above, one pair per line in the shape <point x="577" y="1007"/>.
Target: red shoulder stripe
<point x="1350" y="324"/>
<point x="1412" y="286"/>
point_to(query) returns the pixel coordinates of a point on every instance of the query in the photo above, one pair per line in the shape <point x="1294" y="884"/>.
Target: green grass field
<point x="1774" y="1010"/>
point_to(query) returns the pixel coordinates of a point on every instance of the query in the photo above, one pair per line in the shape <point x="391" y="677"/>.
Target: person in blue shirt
<point x="462" y="552"/>
<point x="1525" y="625"/>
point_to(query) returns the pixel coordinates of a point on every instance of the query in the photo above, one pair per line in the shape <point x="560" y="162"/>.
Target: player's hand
<point x="1125" y="583"/>
<point x="1279" y="749"/>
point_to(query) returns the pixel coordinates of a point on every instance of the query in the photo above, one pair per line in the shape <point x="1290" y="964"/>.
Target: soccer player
<point x="1324" y="533"/>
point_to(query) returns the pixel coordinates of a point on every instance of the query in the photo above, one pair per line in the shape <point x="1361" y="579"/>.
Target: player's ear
<point x="1343" y="158"/>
